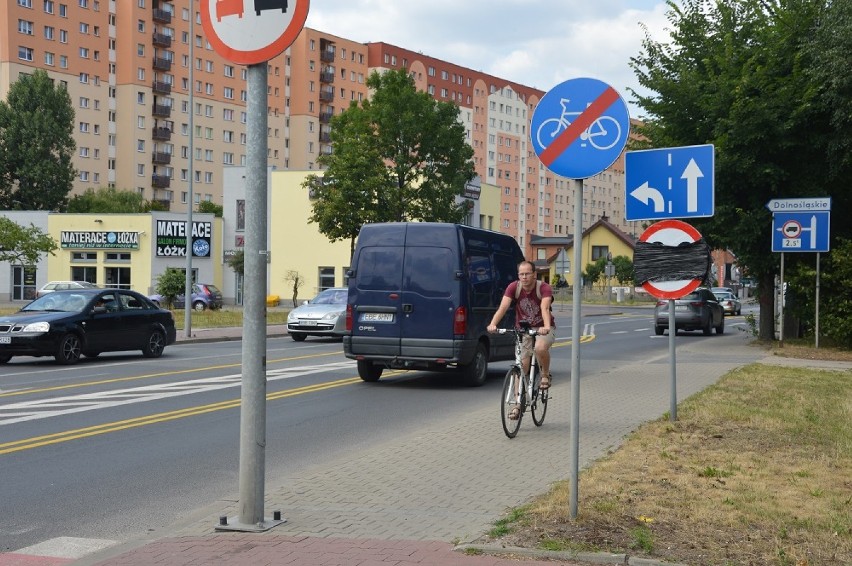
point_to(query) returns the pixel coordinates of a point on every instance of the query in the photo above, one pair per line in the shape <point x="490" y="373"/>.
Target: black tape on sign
<point x="659" y="262"/>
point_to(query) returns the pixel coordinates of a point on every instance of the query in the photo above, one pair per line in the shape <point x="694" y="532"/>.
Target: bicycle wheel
<point x="510" y="399"/>
<point x="538" y="406"/>
<point x="548" y="131"/>
<point x="604" y="132"/>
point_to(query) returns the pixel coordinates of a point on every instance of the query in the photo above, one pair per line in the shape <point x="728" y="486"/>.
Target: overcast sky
<point x="538" y="43"/>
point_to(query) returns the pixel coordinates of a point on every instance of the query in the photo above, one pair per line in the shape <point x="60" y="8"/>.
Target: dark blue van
<point x="421" y="295"/>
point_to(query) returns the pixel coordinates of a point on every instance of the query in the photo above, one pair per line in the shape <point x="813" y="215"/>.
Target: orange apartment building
<point x="127" y="63"/>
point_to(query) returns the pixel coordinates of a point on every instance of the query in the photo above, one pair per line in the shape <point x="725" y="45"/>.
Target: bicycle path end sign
<point x="579" y="128"/>
<point x="249" y="32"/>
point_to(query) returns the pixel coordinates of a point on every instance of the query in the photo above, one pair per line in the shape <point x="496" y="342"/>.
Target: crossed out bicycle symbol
<point x="602" y="134"/>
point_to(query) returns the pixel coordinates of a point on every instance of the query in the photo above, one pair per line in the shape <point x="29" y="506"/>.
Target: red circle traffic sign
<point x="670" y="233"/>
<point x="247" y="32"/>
<point x="791" y="229"/>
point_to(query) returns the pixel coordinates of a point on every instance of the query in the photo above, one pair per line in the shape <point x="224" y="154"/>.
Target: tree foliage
<point x="748" y="77"/>
<point x="399" y="156"/>
<point x="36" y="145"/>
<point x="211" y="207"/>
<point x="170" y="284"/>
<point x="108" y="200"/>
<point x="237" y="262"/>
<point x="23" y="246"/>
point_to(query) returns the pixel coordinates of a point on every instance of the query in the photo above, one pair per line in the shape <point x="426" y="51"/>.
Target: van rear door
<point x="374" y="295"/>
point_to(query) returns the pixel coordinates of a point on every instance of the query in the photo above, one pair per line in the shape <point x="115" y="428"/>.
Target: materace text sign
<point x="252" y="31"/>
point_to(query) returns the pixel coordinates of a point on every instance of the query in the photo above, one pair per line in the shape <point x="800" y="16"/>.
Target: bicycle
<point x="528" y="395"/>
<point x="602" y="134"/>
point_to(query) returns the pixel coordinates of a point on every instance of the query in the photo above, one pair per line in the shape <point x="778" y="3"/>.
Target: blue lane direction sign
<point x="674" y="182"/>
<point x="579" y="128"/>
<point x="801" y="231"/>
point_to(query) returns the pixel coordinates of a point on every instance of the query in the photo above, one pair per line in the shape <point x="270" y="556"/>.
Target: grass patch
<point x="757" y="470"/>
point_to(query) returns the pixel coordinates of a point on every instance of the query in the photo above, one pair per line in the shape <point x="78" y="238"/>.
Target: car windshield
<point x="63" y="302"/>
<point x="723" y="296"/>
<point x="331" y="297"/>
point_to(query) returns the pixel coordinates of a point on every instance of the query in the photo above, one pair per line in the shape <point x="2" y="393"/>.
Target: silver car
<point x="698" y="310"/>
<point x="324" y="315"/>
<point x="729" y="302"/>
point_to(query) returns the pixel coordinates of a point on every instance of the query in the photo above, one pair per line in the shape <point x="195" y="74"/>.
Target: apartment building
<point x="160" y="113"/>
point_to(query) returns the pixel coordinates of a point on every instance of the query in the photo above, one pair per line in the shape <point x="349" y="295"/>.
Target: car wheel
<point x="708" y="326"/>
<point x="199" y="306"/>
<point x="658" y="330"/>
<point x="368" y="371"/>
<point x="298" y="336"/>
<point x="475" y="373"/>
<point x="155" y="345"/>
<point x="69" y="350"/>
<point x="739" y="312"/>
<point x="721" y="328"/>
<point x="4" y="358"/>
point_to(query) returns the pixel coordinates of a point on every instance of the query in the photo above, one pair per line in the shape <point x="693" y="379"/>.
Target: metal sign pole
<point x="781" y="307"/>
<point x="816" y="328"/>
<point x="253" y="400"/>
<point x="575" y="351"/>
<point x="673" y="362"/>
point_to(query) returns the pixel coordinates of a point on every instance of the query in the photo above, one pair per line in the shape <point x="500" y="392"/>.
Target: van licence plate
<point x="377" y="317"/>
<point x="5" y="339"/>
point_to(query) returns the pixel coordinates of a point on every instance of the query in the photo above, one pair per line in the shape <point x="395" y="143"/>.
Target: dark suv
<point x="204" y="296"/>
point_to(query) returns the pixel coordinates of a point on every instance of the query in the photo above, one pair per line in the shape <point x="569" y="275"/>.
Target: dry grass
<point x="757" y="470"/>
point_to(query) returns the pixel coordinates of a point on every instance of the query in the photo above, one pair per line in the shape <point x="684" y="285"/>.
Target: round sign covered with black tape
<point x="671" y="259"/>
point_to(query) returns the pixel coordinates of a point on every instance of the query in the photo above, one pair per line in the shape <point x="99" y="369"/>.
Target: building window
<point x="25" y="53"/>
<point x="326" y="278"/>
<point x="25" y="27"/>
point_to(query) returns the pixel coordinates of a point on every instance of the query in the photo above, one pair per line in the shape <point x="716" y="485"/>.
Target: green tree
<point x="399" y="156"/>
<point x="36" y="145"/>
<point x="237" y="262"/>
<point x="108" y="200"/>
<point x="170" y="284"/>
<point x="623" y="270"/>
<point x="23" y="246"/>
<point x="737" y="75"/>
<point x="211" y="207"/>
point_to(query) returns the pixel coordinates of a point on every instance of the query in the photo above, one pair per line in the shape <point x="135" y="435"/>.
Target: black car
<point x="68" y="324"/>
<point x="698" y="310"/>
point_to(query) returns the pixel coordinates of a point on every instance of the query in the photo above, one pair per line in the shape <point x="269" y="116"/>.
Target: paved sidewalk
<point x="398" y="504"/>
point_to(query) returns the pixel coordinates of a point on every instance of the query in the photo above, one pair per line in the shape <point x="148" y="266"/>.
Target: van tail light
<point x="348" y="318"/>
<point x="460" y="321"/>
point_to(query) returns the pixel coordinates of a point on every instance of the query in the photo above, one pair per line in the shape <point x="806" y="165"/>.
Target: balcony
<point x="162" y="110"/>
<point x="327" y="77"/>
<point x="160" y="87"/>
<point x="326" y="95"/>
<point x="162" y="40"/>
<point x="161" y="158"/>
<point x="325" y="117"/>
<point x="161" y="134"/>
<point x="160" y="181"/>
<point x="162" y="16"/>
<point x="162" y="64"/>
<point x="164" y="203"/>
<point x="325" y="137"/>
<point x="327" y="55"/>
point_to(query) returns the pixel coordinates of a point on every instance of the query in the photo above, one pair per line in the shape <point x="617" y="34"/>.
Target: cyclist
<point x="532" y="305"/>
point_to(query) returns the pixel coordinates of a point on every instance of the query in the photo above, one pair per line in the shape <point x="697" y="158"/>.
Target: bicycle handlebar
<point x="529" y="331"/>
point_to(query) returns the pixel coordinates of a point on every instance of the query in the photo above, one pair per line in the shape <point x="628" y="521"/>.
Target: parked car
<point x="698" y="310"/>
<point x="64" y="286"/>
<point x="715" y="290"/>
<point x="86" y="322"/>
<point x="204" y="296"/>
<point x="730" y="303"/>
<point x="324" y="315"/>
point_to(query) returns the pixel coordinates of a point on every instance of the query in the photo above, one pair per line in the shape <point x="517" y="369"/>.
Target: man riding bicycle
<point x="532" y="305"/>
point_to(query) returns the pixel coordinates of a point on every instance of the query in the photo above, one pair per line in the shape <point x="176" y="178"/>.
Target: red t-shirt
<point x="528" y="305"/>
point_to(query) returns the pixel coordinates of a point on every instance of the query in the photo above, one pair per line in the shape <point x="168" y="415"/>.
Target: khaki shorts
<point x="527" y="344"/>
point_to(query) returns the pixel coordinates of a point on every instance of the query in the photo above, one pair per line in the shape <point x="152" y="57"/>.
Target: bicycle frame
<point x="527" y="379"/>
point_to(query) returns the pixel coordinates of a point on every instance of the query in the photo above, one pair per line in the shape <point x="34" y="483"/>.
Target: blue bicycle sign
<point x="603" y="134"/>
<point x="579" y="128"/>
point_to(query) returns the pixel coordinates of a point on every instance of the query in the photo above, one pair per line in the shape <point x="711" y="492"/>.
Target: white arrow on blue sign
<point x="801" y="231"/>
<point x="579" y="128"/>
<point x="674" y="182"/>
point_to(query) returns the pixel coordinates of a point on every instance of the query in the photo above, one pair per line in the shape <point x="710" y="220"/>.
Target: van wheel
<point x="475" y="373"/>
<point x="368" y="371"/>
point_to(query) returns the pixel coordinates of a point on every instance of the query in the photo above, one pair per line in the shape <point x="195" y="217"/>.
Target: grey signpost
<point x="252" y="38"/>
<point x="578" y="129"/>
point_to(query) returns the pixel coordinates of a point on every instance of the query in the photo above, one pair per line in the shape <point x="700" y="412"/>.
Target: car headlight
<point x="37" y="327"/>
<point x="332" y="315"/>
<point x="291" y="316"/>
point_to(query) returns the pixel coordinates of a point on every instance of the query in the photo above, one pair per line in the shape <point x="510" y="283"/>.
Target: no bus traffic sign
<point x="252" y="31"/>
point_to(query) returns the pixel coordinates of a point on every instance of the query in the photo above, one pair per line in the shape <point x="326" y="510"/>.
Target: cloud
<point x="538" y="43"/>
